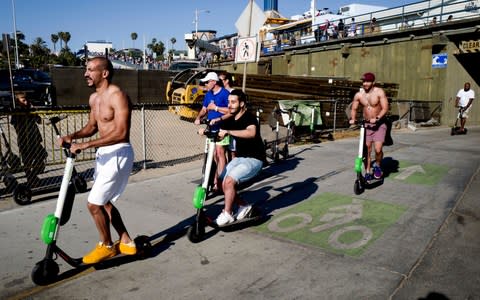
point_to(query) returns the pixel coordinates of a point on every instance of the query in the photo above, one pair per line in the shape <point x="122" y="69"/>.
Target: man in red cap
<point x="375" y="107"/>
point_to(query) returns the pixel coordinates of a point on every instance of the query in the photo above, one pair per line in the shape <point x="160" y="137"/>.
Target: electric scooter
<point x="47" y="270"/>
<point x="456" y="129"/>
<point x="361" y="183"/>
<point x="196" y="231"/>
<point x="22" y="194"/>
<point x="275" y="152"/>
<point x="9" y="164"/>
<point x="315" y="134"/>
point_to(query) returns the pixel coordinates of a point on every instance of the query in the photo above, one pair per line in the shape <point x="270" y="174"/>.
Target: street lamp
<point x="197" y="11"/>
<point x="17" y="64"/>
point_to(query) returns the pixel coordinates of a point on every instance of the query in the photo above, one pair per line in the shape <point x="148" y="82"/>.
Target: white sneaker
<point x="224" y="218"/>
<point x="243" y="211"/>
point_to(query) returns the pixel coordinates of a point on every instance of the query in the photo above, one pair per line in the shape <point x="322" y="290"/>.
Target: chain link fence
<point x="30" y="155"/>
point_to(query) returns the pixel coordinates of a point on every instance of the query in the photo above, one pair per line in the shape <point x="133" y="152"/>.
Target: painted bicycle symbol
<point x="335" y="217"/>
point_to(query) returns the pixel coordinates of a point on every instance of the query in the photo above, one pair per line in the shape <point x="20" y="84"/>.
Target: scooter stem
<point x="208" y="165"/>
<point x="64" y="187"/>
<point x="359" y="159"/>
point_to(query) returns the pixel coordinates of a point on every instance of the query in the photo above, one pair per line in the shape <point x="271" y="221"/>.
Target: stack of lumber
<point x="332" y="93"/>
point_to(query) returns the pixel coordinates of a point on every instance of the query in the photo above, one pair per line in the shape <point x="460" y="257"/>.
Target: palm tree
<point x="60" y="35"/>
<point x="20" y="36"/>
<point x="23" y="49"/>
<point x="157" y="47"/>
<point x="134" y="36"/>
<point x="39" y="47"/>
<point x="54" y="38"/>
<point x="66" y="38"/>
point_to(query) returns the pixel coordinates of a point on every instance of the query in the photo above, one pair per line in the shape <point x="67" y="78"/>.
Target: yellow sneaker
<point x="100" y="253"/>
<point x="128" y="249"/>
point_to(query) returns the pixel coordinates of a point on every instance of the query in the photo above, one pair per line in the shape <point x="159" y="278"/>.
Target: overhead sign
<point x="470" y="46"/>
<point x="439" y="61"/>
<point x="246" y="50"/>
<point x="251" y="20"/>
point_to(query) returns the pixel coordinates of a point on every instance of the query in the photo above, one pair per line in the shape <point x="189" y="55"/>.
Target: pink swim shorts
<point x="374" y="133"/>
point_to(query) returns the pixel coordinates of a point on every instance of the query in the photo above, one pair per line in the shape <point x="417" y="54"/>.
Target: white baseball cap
<point x="210" y="76"/>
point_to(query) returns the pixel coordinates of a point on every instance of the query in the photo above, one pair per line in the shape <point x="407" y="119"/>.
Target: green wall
<point x="407" y="62"/>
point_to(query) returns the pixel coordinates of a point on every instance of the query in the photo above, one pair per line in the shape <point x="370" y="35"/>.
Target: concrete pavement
<point x="413" y="236"/>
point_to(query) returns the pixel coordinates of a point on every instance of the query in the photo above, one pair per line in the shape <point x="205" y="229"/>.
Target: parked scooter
<point x="10" y="164"/>
<point x="274" y="151"/>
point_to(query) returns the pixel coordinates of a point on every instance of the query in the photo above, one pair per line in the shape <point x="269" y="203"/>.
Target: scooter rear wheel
<point x="22" y="195"/>
<point x="144" y="247"/>
<point x="45" y="272"/>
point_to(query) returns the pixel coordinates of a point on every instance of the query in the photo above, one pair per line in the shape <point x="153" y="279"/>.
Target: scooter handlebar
<point x="208" y="132"/>
<point x="363" y="122"/>
<point x="54" y="120"/>
<point x="68" y="146"/>
<point x="293" y="109"/>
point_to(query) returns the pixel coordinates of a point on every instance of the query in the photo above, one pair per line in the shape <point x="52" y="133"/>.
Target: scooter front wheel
<point x="196" y="231"/>
<point x="45" y="272"/>
<point x="358" y="187"/>
<point x="285" y="153"/>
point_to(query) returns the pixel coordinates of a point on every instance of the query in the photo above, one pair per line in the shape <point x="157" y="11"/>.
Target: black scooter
<point x="22" y="194"/>
<point x="47" y="270"/>
<point x="196" y="231"/>
<point x="273" y="147"/>
<point x="10" y="164"/>
<point x="456" y="129"/>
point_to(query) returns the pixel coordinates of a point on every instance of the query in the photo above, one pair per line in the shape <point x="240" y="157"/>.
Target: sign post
<point x="251" y="20"/>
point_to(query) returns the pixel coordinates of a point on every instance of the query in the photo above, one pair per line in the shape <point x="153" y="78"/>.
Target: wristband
<point x="216" y="108"/>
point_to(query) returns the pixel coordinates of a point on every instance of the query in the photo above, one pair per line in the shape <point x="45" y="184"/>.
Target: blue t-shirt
<point x="220" y="99"/>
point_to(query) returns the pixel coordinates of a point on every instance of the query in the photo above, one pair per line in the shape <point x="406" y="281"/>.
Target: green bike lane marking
<point x="426" y="174"/>
<point x="337" y="223"/>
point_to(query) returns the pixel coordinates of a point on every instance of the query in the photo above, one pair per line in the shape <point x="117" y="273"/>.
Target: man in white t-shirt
<point x="464" y="100"/>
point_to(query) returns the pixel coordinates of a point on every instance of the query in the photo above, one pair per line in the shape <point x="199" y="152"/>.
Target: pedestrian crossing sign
<point x="246" y="50"/>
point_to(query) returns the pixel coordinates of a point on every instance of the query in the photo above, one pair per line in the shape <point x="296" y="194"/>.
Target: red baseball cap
<point x="368" y="77"/>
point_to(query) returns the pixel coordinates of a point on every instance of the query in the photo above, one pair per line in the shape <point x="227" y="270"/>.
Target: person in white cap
<point x="215" y="106"/>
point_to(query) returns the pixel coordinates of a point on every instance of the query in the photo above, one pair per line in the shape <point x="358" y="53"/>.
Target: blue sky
<point x="114" y="21"/>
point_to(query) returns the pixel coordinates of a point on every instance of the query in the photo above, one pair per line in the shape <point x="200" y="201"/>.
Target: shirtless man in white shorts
<point x="375" y="108"/>
<point x="110" y="117"/>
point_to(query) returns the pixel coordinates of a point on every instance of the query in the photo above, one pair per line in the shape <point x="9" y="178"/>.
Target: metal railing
<point x="421" y="14"/>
